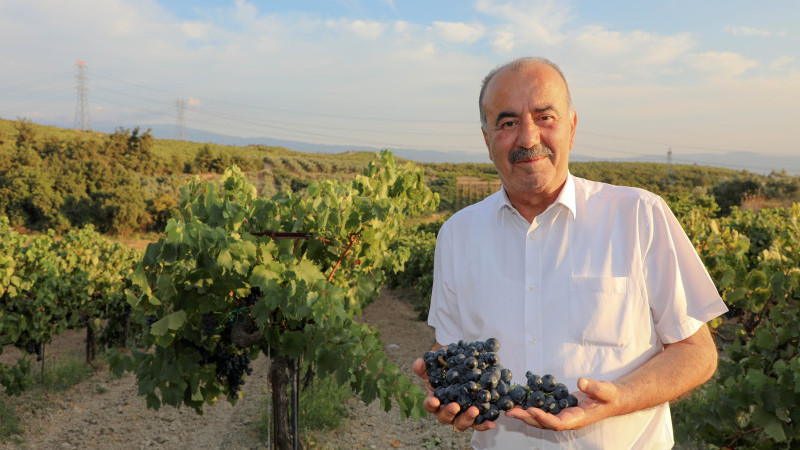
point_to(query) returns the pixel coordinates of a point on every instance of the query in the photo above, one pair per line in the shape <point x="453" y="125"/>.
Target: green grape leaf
<point x="772" y="425"/>
<point x="172" y="321"/>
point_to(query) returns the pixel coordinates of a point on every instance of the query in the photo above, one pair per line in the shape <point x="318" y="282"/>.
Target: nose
<point x="528" y="133"/>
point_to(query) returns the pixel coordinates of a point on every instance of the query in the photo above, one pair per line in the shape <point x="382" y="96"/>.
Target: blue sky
<point x="708" y="76"/>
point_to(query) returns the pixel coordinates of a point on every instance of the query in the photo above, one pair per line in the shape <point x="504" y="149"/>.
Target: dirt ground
<point x="106" y="413"/>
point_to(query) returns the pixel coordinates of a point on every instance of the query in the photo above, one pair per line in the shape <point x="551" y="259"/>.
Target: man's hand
<point x="449" y="413"/>
<point x="596" y="401"/>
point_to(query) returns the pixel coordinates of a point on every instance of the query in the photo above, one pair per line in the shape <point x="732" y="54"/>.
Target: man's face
<point x="529" y="109"/>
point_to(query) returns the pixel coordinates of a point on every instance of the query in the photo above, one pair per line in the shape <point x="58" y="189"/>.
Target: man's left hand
<point x="596" y="401"/>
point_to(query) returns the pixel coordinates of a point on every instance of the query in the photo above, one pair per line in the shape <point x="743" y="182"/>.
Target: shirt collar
<point x="566" y="198"/>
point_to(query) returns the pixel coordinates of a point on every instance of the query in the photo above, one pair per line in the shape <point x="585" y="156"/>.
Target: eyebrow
<point x="505" y="114"/>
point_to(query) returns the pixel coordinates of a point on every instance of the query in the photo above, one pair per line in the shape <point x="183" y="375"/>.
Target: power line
<point x="45" y="88"/>
<point x="309" y="113"/>
<point x="29" y="84"/>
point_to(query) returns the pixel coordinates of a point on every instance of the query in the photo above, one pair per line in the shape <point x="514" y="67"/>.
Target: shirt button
<point x="532" y="287"/>
<point x="533" y="341"/>
<point x="532" y="236"/>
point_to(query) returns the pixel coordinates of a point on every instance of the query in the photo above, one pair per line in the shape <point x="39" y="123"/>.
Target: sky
<point x="645" y="77"/>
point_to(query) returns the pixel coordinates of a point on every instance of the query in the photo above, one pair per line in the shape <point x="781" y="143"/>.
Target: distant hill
<point x="752" y="162"/>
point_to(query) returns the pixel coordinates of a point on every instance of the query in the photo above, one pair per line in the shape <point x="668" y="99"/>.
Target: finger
<point x="431" y="404"/>
<point x="523" y="415"/>
<point x="546" y="420"/>
<point x="600" y="390"/>
<point x="488" y="425"/>
<point x="419" y="369"/>
<point x="464" y="421"/>
<point x="448" y="414"/>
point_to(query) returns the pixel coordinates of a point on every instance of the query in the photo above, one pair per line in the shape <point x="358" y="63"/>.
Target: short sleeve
<point x="682" y="296"/>
<point x="443" y="315"/>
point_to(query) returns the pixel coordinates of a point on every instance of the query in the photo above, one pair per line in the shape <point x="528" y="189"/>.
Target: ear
<point x="574" y="126"/>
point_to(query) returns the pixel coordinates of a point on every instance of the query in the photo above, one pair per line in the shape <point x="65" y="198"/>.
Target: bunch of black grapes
<point x="34" y="348"/>
<point x="544" y="393"/>
<point x="470" y="374"/>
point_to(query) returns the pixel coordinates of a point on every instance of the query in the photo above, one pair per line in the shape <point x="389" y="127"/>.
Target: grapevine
<point x="238" y="275"/>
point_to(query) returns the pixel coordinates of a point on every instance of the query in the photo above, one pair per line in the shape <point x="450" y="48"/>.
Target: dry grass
<point x="757" y="201"/>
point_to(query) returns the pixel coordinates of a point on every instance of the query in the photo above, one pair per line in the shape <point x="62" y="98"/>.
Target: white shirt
<point x="593" y="287"/>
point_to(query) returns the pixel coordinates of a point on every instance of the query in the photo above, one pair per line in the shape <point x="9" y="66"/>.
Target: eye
<point x="507" y="125"/>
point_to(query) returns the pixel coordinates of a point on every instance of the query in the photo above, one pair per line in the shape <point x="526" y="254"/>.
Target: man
<point x="595" y="284"/>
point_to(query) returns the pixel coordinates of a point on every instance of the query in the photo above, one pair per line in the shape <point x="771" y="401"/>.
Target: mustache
<point x="535" y="151"/>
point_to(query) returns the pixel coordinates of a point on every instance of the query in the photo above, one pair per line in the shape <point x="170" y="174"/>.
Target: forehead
<point x="533" y="86"/>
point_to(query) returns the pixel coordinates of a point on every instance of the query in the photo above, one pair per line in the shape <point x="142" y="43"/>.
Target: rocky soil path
<point x="106" y="413"/>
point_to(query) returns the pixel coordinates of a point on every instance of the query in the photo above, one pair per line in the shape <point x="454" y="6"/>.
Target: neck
<point x="530" y="204"/>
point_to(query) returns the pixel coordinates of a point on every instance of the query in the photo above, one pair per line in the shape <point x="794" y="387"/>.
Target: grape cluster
<point x="231" y="365"/>
<point x="544" y="393"/>
<point x="470" y="374"/>
<point x="209" y="324"/>
<point x="231" y="368"/>
<point x="249" y="300"/>
<point x="34" y="348"/>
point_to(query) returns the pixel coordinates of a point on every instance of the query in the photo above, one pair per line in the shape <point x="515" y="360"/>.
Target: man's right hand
<point x="449" y="413"/>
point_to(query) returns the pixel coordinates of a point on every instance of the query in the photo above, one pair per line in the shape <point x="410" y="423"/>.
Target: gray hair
<point x="518" y="64"/>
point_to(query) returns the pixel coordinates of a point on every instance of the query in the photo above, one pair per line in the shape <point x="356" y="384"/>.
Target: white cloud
<point x="196" y="30"/>
<point x="634" y="47"/>
<point x="459" y="32"/>
<point x="536" y="23"/>
<point x="503" y="42"/>
<point x="366" y="29"/>
<point x="720" y="64"/>
<point x="336" y="66"/>
<point x="244" y="12"/>
<point x="400" y="26"/>
<point x="750" y="31"/>
<point x="782" y="61"/>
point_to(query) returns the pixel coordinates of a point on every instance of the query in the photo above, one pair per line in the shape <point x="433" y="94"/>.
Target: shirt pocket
<point x="601" y="309"/>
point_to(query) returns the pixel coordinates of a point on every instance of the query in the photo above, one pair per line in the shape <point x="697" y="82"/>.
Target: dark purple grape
<point x="505" y="403"/>
<point x="503" y="388"/>
<point x="548" y="383"/>
<point x="536" y="400"/>
<point x="492" y="345"/>
<point x="493" y="413"/>
<point x="489" y="380"/>
<point x="549" y="404"/>
<point x="491" y="359"/>
<point x="572" y="400"/>
<point x="519" y="394"/>
<point x="560" y="391"/>
<point x="470" y="363"/>
<point x="535" y="382"/>
<point x="452" y="376"/>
